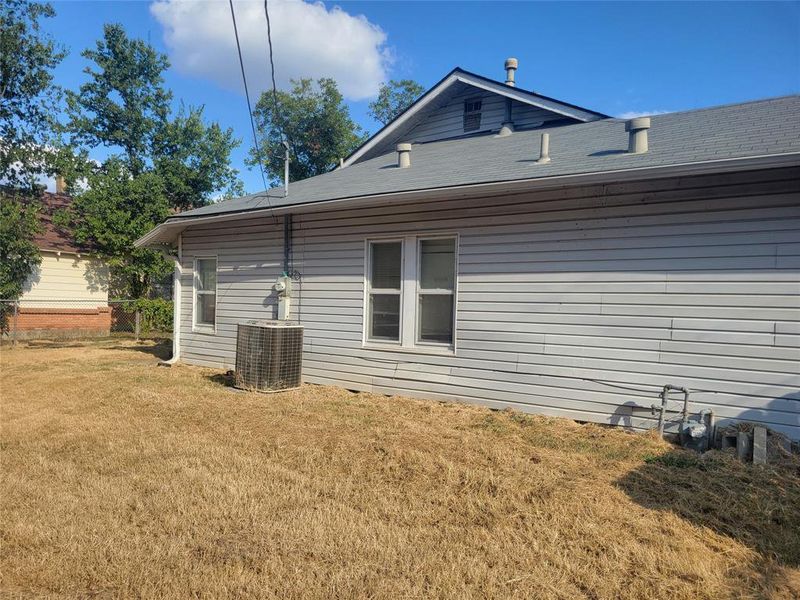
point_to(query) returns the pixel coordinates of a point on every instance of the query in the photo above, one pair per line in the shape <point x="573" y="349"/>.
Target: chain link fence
<point x="76" y="318"/>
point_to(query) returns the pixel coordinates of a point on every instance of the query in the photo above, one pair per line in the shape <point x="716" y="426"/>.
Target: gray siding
<point x="447" y="121"/>
<point x="573" y="303"/>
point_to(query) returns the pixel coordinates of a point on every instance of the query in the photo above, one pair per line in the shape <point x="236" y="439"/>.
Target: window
<point x="385" y="283"/>
<point x="436" y="290"/>
<point x="410" y="291"/>
<point x="205" y="293"/>
<point x="472" y="115"/>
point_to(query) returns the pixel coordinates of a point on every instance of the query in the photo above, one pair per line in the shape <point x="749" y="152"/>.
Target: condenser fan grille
<point x="269" y="356"/>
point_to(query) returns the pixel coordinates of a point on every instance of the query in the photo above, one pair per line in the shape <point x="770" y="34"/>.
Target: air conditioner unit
<point x="269" y="355"/>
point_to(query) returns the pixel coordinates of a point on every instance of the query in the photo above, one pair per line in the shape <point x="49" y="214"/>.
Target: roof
<point x="51" y="236"/>
<point x="449" y="84"/>
<point x="752" y="129"/>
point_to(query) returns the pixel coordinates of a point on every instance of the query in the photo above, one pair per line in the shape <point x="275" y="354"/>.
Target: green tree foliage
<point x="317" y="125"/>
<point x="117" y="209"/>
<point x="29" y="143"/>
<point x="194" y="160"/>
<point x="124" y="103"/>
<point x="164" y="162"/>
<point x="393" y="98"/>
<point x="19" y="256"/>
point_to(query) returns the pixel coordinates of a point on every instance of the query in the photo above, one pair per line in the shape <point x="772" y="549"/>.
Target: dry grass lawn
<point x="121" y="479"/>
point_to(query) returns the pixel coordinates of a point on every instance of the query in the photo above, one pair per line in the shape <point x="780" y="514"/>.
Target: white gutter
<point x="176" y="306"/>
<point x="747" y="163"/>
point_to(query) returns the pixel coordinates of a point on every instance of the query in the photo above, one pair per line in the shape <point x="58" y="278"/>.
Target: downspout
<point x="176" y="309"/>
<point x="287" y="244"/>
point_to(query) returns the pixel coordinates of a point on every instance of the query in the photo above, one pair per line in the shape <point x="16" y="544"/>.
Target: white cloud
<point x="632" y="114"/>
<point x="308" y="39"/>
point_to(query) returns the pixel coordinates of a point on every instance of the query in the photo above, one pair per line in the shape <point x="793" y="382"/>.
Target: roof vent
<point x="637" y="138"/>
<point x="544" y="150"/>
<point x="404" y="155"/>
<point x="511" y="67"/>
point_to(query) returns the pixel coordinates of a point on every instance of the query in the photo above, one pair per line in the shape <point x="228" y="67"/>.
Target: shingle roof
<point x="51" y="236"/>
<point x="765" y="127"/>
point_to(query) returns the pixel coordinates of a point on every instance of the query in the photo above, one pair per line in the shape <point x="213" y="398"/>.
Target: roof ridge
<point x="717" y="106"/>
<point x="529" y="92"/>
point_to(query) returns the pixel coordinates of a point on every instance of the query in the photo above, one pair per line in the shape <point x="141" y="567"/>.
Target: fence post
<point x="137" y="324"/>
<point x="14" y="331"/>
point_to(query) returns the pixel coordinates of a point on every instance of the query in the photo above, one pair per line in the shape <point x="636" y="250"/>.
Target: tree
<point x="19" y="256"/>
<point x="164" y="163"/>
<point x="194" y="160"/>
<point x="124" y="104"/>
<point x="28" y="99"/>
<point x="317" y="126"/>
<point x="115" y="211"/>
<point x="393" y="98"/>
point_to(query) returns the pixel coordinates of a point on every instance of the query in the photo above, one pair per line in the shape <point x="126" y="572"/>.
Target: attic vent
<point x="472" y="115"/>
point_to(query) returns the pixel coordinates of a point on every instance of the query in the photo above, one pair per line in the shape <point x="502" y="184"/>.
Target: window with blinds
<point x="385" y="284"/>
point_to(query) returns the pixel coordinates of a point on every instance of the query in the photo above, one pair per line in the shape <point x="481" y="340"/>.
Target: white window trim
<point x="410" y="270"/>
<point x="204" y="327"/>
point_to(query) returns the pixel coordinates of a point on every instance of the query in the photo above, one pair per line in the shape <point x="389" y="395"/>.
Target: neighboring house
<point x="574" y="287"/>
<point x="67" y="294"/>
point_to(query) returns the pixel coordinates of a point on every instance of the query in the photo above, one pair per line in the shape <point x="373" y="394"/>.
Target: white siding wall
<point x="566" y="298"/>
<point x="66" y="281"/>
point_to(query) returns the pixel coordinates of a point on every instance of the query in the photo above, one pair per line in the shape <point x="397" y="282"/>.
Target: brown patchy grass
<point x="120" y="479"/>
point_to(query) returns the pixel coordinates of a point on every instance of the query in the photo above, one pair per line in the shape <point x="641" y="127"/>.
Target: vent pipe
<point x="286" y="169"/>
<point x="404" y="155"/>
<point x="510" y="66"/>
<point x="544" y="150"/>
<point x="507" y="127"/>
<point x="637" y="134"/>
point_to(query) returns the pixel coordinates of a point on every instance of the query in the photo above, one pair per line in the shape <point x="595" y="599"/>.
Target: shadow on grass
<point x="223" y="379"/>
<point x="756" y="505"/>
<point x="160" y="349"/>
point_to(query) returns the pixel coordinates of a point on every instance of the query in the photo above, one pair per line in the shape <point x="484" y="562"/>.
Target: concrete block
<point x="743" y="446"/>
<point x="760" y="446"/>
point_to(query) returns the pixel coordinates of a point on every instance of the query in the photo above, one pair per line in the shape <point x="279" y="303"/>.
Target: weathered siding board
<point x="573" y="303"/>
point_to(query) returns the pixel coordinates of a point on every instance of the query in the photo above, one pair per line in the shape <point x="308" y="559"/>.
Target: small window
<point x="472" y="115"/>
<point x="205" y="292"/>
<point x="436" y="290"/>
<point x="385" y="284"/>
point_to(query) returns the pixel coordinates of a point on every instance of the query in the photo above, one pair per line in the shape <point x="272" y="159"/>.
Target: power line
<point x="250" y="109"/>
<point x="278" y="116"/>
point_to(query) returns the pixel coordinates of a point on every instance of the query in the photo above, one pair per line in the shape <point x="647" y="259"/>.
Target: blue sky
<point x="611" y="57"/>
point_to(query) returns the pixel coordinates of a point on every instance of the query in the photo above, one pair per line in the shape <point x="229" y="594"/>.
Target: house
<point x="497" y="246"/>
<point x="67" y="294"/>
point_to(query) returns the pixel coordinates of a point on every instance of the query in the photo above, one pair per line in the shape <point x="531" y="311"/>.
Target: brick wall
<point x="63" y="322"/>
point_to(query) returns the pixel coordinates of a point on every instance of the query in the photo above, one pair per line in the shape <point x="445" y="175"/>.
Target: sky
<point x="619" y="58"/>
